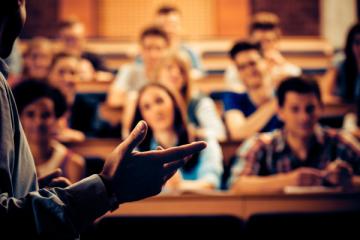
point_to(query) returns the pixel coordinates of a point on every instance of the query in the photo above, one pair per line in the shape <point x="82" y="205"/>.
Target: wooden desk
<point x="333" y="110"/>
<point x="239" y="206"/>
<point x="214" y="82"/>
<point x="101" y="147"/>
<point x="92" y="87"/>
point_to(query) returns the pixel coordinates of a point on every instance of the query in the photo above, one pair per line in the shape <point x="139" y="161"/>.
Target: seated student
<point x="265" y="30"/>
<point x="302" y="153"/>
<point x="253" y="111"/>
<point x="63" y="74"/>
<point x="342" y="82"/>
<point x="154" y="45"/>
<point x="37" y="59"/>
<point x="39" y="107"/>
<point x="71" y="34"/>
<point x="169" y="17"/>
<point x="201" y="110"/>
<point x="83" y="117"/>
<point x="164" y="112"/>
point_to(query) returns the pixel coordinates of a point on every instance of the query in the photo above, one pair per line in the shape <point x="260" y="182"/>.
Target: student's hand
<point x="54" y="179"/>
<point x="132" y="176"/>
<point x="338" y="173"/>
<point x="306" y="177"/>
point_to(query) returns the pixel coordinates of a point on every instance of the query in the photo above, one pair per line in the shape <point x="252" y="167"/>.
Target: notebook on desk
<point x="311" y="189"/>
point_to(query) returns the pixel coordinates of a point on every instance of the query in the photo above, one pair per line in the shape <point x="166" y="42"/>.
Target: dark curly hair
<point x="31" y="90"/>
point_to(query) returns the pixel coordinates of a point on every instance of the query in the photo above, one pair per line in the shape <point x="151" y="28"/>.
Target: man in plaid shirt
<point x="302" y="153"/>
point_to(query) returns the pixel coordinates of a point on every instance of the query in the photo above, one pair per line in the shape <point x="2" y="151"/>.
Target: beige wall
<point x="336" y="19"/>
<point x="201" y="18"/>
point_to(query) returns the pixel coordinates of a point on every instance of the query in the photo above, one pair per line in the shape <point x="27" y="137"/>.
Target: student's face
<point x="267" y="38"/>
<point x="170" y="74"/>
<point x="300" y="113"/>
<point x="38" y="62"/>
<point x="65" y="73"/>
<point x="157" y="109"/>
<point x="170" y="22"/>
<point x="250" y="67"/>
<point x="73" y="39"/>
<point x="38" y="120"/>
<point x="153" y="50"/>
<point x="11" y="22"/>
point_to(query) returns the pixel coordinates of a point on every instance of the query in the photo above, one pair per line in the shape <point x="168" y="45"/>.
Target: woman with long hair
<point x="163" y="110"/>
<point x="342" y="82"/>
<point x="201" y="110"/>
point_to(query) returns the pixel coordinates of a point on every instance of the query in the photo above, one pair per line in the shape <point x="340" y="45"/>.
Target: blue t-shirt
<point x="242" y="102"/>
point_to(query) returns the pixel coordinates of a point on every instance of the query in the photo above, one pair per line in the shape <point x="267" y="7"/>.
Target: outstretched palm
<point x="137" y="175"/>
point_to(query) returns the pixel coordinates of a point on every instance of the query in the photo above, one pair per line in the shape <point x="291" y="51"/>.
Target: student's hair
<point x="299" y="85"/>
<point x="265" y="21"/>
<point x="180" y="125"/>
<point x="167" y="9"/>
<point x="154" y="31"/>
<point x="241" y="46"/>
<point x="350" y="64"/>
<point x="68" y="23"/>
<point x="60" y="56"/>
<point x="38" y="42"/>
<point x="30" y="90"/>
<point x="184" y="67"/>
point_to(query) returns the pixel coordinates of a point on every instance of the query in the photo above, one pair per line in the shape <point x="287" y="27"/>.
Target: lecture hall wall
<point x="202" y="19"/>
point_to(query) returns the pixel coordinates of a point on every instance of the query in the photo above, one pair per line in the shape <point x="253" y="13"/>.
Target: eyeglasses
<point x="243" y="66"/>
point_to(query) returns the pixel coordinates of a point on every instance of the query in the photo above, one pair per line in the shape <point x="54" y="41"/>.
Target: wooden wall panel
<point x="41" y="18"/>
<point x="233" y="18"/>
<point x="297" y="17"/>
<point x="126" y="18"/>
<point x="84" y="10"/>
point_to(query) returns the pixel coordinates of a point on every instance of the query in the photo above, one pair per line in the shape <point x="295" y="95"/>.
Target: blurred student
<point x="342" y="82"/>
<point x="63" y="74"/>
<point x="169" y="18"/>
<point x="265" y="30"/>
<point x="71" y="34"/>
<point x="302" y="153"/>
<point x="163" y="110"/>
<point x="40" y="106"/>
<point x="201" y="110"/>
<point x="255" y="110"/>
<point x="37" y="59"/>
<point x="154" y="45"/>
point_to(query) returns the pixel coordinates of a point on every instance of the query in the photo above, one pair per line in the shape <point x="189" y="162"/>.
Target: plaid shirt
<point x="268" y="153"/>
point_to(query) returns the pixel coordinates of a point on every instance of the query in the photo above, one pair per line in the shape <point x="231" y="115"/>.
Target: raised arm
<point x="241" y="127"/>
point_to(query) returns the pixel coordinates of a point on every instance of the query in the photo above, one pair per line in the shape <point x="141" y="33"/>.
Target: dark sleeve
<point x="96" y="61"/>
<point x="232" y="101"/>
<point x="60" y="213"/>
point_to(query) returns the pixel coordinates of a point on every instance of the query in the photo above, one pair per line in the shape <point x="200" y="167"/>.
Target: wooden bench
<point x="101" y="147"/>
